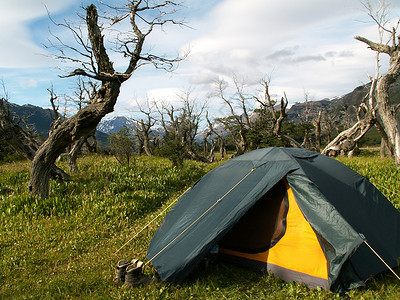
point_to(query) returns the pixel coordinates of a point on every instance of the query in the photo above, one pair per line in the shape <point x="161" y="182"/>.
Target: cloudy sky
<point x="303" y="45"/>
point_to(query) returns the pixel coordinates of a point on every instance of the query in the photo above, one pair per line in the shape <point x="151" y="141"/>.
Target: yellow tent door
<point x="274" y="236"/>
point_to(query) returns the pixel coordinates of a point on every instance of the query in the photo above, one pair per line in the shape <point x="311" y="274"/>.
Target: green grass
<point x="65" y="247"/>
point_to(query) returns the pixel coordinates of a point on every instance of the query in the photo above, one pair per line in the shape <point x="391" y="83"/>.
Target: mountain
<point x="341" y="104"/>
<point x="39" y="119"/>
<point x="298" y="110"/>
<point x="115" y="124"/>
<point x="34" y="117"/>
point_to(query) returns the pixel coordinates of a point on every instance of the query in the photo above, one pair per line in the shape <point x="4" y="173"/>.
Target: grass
<point x="65" y="247"/>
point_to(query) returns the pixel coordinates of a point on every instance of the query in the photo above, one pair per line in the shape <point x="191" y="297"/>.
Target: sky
<point x="303" y="46"/>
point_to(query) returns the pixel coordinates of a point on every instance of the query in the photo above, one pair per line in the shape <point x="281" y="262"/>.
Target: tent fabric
<point x="296" y="256"/>
<point x="337" y="202"/>
<point x="337" y="238"/>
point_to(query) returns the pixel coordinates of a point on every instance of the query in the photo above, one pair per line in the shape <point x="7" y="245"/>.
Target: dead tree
<point x="306" y="124"/>
<point x="56" y="117"/>
<point x="387" y="113"/>
<point x="219" y="135"/>
<point x="94" y="62"/>
<point x="191" y="115"/>
<point x="181" y="124"/>
<point x="376" y="108"/>
<point x="209" y="145"/>
<point x="246" y="125"/>
<point x="22" y="139"/>
<point x="347" y="140"/>
<point x="328" y="125"/>
<point x="317" y="128"/>
<point x="277" y="116"/>
<point x="237" y="124"/>
<point x="81" y="97"/>
<point x="143" y="127"/>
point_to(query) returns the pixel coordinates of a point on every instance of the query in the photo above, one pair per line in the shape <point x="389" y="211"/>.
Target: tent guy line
<point x="201" y="216"/>
<point x="376" y="253"/>
<point x="148" y="224"/>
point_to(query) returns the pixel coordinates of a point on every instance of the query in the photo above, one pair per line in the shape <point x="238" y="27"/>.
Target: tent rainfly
<point x="297" y="214"/>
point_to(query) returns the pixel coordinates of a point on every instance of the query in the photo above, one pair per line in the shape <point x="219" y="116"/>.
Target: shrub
<point x="122" y="145"/>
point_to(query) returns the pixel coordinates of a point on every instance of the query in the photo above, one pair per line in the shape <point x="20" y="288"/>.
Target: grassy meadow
<point x="66" y="246"/>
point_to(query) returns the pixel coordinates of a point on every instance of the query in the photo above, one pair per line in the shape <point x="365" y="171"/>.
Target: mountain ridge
<point x="39" y="119"/>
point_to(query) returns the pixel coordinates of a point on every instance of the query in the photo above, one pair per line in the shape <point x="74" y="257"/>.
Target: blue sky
<point x="305" y="46"/>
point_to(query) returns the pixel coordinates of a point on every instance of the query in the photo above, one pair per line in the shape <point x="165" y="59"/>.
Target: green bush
<point x="122" y="145"/>
<point x="173" y="150"/>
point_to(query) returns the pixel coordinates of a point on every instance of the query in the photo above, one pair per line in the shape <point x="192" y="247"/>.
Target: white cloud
<point x="18" y="49"/>
<point x="28" y="83"/>
<point x="306" y="44"/>
<point x="165" y="95"/>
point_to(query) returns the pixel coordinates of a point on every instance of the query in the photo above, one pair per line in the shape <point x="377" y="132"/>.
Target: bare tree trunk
<point x="235" y="125"/>
<point x="382" y="149"/>
<point x="140" y="143"/>
<point x="146" y="145"/>
<point x="71" y="130"/>
<point x="205" y="143"/>
<point x="385" y="140"/>
<point x="291" y="141"/>
<point x="73" y="154"/>
<point x="269" y="105"/>
<point x="85" y="120"/>
<point x="351" y="153"/>
<point x="222" y="147"/>
<point x="143" y="127"/>
<point x="307" y="139"/>
<point x="221" y="141"/>
<point x="387" y="114"/>
<point x="279" y="120"/>
<point x="211" y="156"/>
<point x="307" y="143"/>
<point x="143" y="134"/>
<point x="317" y="126"/>
<point x="345" y="142"/>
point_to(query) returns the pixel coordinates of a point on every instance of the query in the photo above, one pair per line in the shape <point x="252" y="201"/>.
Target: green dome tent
<point x="300" y="215"/>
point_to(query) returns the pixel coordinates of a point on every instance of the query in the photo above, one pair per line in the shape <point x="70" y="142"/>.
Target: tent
<point x="292" y="212"/>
